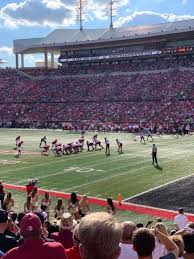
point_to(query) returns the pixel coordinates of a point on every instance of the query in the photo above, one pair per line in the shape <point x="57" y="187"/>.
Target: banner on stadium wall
<point x="125" y="55"/>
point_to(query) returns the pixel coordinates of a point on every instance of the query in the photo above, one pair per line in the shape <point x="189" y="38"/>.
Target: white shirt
<point x="181" y="221"/>
<point x="106" y="141"/>
<point x="159" y="250"/>
<point x="127" y="252"/>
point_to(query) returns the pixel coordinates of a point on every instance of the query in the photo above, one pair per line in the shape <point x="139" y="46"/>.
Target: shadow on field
<point x="158" y="167"/>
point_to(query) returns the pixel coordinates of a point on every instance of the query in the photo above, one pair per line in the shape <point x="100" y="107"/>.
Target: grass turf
<point x="93" y="173"/>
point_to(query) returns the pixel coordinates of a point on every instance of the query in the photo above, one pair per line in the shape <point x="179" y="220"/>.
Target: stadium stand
<point x="99" y="99"/>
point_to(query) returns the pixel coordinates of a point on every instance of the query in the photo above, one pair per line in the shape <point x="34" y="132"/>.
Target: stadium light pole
<point x="80" y="11"/>
<point x="111" y="11"/>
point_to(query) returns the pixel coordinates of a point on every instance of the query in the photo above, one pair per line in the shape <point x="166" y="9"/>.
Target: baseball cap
<point x="3" y="216"/>
<point x="30" y="224"/>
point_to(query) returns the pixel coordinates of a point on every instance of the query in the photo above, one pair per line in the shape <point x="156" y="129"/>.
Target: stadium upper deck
<point x="69" y="42"/>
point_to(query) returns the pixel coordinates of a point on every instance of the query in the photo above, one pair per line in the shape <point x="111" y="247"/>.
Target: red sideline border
<point x="140" y="209"/>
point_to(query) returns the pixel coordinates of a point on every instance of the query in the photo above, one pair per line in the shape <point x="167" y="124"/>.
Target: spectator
<point x="144" y="244"/>
<point x="180" y="244"/>
<point x="73" y="252"/>
<point x="43" y="211"/>
<point x="6" y="242"/>
<point x="188" y="238"/>
<point x="99" y="236"/>
<point x="2" y="194"/>
<point x="159" y="249"/>
<point x="34" y="246"/>
<point x="65" y="235"/>
<point x="126" y="245"/>
<point x="180" y="220"/>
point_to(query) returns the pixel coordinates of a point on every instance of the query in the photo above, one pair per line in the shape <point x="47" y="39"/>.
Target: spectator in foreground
<point x="99" y="235"/>
<point x="65" y="234"/>
<point x="6" y="242"/>
<point x="144" y="244"/>
<point x="179" y="242"/>
<point x="180" y="220"/>
<point x="188" y="238"/>
<point x="73" y="253"/>
<point x="126" y="244"/>
<point x="34" y="246"/>
<point x="2" y="194"/>
<point x="159" y="249"/>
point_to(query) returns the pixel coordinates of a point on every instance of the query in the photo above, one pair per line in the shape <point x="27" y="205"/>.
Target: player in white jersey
<point x="107" y="150"/>
<point x="120" y="146"/>
<point x="150" y="135"/>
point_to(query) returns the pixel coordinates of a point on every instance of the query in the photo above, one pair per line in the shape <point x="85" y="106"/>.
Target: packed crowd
<point x="74" y="232"/>
<point x="106" y="99"/>
<point x="114" y="66"/>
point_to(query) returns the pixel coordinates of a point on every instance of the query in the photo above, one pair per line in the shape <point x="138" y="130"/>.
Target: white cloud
<point x="168" y="17"/>
<point x="51" y="13"/>
<point x="38" y="13"/>
<point x="6" y="51"/>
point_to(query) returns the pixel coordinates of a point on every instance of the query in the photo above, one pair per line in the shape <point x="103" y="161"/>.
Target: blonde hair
<point x="162" y="228"/>
<point x="177" y="239"/>
<point x="99" y="234"/>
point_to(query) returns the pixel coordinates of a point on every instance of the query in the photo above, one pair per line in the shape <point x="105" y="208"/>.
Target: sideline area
<point x="139" y="209"/>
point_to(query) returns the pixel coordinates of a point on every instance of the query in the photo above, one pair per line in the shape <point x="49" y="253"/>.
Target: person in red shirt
<point x="34" y="246"/>
<point x="65" y="234"/>
<point x="73" y="253"/>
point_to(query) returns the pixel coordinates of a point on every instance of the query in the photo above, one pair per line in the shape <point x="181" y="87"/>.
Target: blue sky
<point x="36" y="18"/>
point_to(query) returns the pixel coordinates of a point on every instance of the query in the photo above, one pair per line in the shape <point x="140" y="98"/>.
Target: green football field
<point x="93" y="173"/>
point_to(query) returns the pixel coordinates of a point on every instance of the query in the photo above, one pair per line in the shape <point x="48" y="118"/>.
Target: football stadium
<point x="99" y="144"/>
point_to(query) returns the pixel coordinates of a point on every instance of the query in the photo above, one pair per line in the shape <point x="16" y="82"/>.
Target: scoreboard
<point x="178" y="50"/>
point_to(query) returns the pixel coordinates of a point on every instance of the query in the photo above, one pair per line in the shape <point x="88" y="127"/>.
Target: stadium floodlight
<point x="111" y="10"/>
<point x="80" y="11"/>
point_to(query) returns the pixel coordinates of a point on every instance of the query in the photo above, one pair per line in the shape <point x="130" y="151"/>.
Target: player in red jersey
<point x="58" y="149"/>
<point x="45" y="151"/>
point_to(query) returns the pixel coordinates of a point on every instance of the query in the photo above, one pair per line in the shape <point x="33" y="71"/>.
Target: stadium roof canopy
<point x="64" y="37"/>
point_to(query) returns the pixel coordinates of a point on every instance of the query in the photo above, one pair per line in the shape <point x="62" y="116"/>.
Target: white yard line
<point x="69" y="170"/>
<point x="105" y="178"/>
<point x="31" y="166"/>
<point x="120" y="174"/>
<point x="158" y="187"/>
